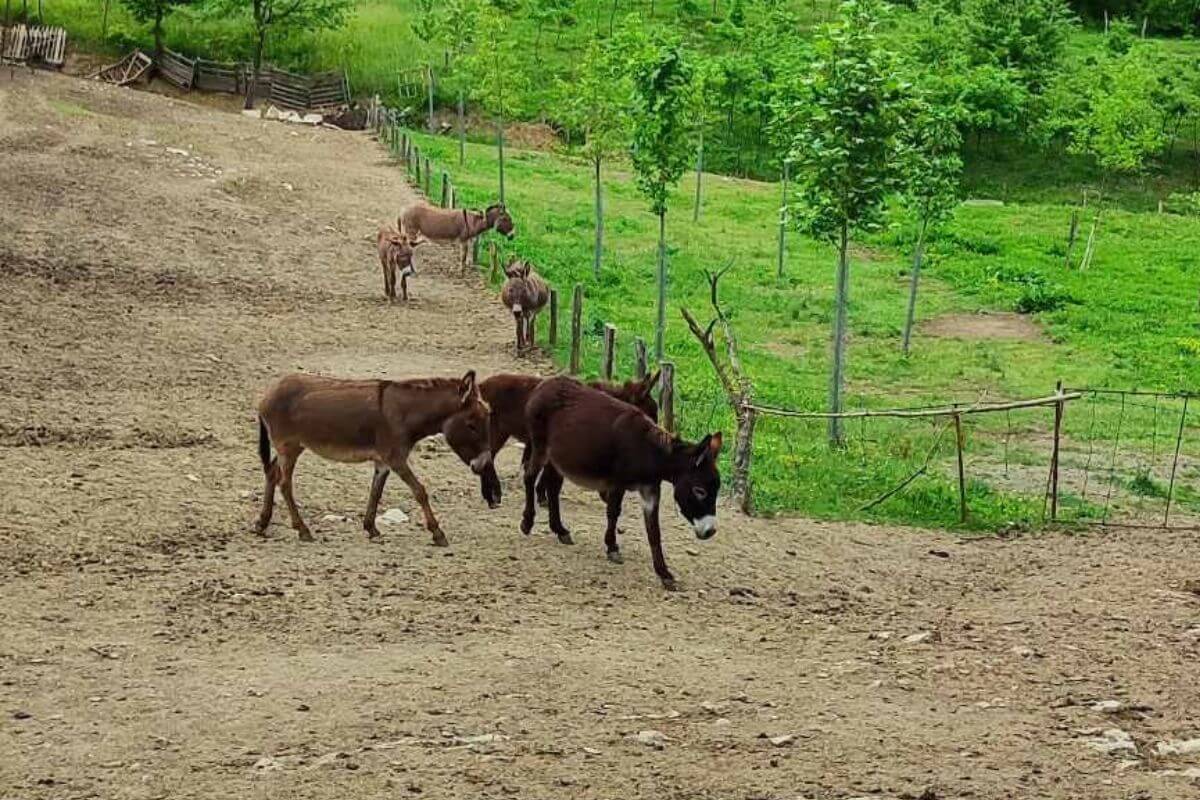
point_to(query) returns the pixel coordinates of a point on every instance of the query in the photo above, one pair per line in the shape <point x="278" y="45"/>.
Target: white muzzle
<point x="479" y="463"/>
<point x="705" y="527"/>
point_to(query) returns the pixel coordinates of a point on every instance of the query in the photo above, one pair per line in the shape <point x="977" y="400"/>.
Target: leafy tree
<point x="287" y="16"/>
<point x="595" y="103"/>
<point x="1027" y="36"/>
<point x="1119" y="108"/>
<point x="931" y="168"/>
<point x="662" y="86"/>
<point x="496" y="77"/>
<point x="426" y="24"/>
<point x="845" y="123"/>
<point x="154" y="11"/>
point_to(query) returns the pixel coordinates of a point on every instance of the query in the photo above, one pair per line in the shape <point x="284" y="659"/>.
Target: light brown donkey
<point x="355" y="421"/>
<point x="396" y="255"/>
<point x="445" y="225"/>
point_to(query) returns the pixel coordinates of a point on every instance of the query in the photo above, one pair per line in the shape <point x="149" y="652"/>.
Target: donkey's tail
<point x="264" y="445"/>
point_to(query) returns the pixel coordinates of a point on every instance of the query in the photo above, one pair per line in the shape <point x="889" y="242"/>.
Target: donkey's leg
<point x="613" y="499"/>
<point x="465" y="246"/>
<point x="419" y="494"/>
<point x="541" y="484"/>
<point x="404" y="286"/>
<point x="533" y="467"/>
<point x="554" y="483"/>
<point x="489" y="481"/>
<point x="268" y="504"/>
<point x="287" y="465"/>
<point x="377" y="482"/>
<point x="520" y="333"/>
<point x="650" y="497"/>
<point x="531" y="331"/>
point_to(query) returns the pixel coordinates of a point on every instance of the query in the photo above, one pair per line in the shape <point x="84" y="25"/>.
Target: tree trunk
<point x="743" y="452"/>
<point x="699" y="174"/>
<point x="660" y="324"/>
<point x="837" y="376"/>
<point x="252" y="86"/>
<point x="158" y="45"/>
<point x="918" y="254"/>
<point x="782" y="221"/>
<point x="500" y="150"/>
<point x="599" y="224"/>
<point x="429" y="75"/>
<point x="462" y="131"/>
<point x="103" y="20"/>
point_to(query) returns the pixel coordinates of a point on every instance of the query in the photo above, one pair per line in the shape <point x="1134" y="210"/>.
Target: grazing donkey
<point x="445" y="225"/>
<point x="526" y="293"/>
<point x="396" y="254"/>
<point x="601" y="443"/>
<point x="507" y="395"/>
<point x="379" y="421"/>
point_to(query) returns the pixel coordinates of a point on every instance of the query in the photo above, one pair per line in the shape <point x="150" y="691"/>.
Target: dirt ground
<point x="996" y="325"/>
<point x="160" y="262"/>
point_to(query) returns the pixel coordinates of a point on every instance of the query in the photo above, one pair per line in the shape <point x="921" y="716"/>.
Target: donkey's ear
<point x="467" y="388"/>
<point x="714" y="445"/>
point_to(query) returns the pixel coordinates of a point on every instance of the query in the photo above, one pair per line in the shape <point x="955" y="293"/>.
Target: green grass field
<point x="1130" y="320"/>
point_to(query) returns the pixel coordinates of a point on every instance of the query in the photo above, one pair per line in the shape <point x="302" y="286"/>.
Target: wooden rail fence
<point x="283" y="88"/>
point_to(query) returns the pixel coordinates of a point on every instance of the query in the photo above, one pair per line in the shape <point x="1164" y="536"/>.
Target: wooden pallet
<point x="36" y="44"/>
<point x="129" y="69"/>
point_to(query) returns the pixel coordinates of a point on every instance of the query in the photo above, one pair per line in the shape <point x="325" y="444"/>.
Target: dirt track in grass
<point x="161" y="261"/>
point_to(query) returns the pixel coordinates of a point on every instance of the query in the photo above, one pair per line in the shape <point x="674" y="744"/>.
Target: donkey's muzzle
<point x="705" y="527"/>
<point x="480" y="462"/>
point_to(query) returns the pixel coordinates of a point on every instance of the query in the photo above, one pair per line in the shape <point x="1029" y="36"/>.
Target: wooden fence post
<point x="445" y="189"/>
<point x="552" y="336"/>
<point x="417" y="165"/>
<point x="576" y="327"/>
<point x="493" y="259"/>
<point x="610" y="347"/>
<point x="453" y="196"/>
<point x="962" y="475"/>
<point x="639" y="357"/>
<point x="428" y="178"/>
<point x="404" y="146"/>
<point x="666" y="398"/>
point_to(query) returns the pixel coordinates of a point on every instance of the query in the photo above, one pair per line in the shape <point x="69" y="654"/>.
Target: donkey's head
<point x="517" y="269"/>
<point x="697" y="482"/>
<point x="407" y="245"/>
<point x="498" y="219"/>
<point x="640" y="394"/>
<point x="466" y="430"/>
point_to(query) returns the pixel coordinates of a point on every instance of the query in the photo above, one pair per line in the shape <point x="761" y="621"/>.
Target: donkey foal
<point x="396" y="254"/>
<point x="526" y="294"/>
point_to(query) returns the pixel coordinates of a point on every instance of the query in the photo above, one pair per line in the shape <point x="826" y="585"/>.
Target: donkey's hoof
<point x="440" y="540"/>
<point x="526" y="525"/>
<point x="565" y="538"/>
<point x="372" y="532"/>
<point x="260" y="528"/>
<point x="670" y="585"/>
<point x="615" y="557"/>
<point x="306" y="535"/>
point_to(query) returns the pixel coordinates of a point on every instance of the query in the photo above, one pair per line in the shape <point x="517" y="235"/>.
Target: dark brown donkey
<point x="507" y="395"/>
<point x="446" y="225"/>
<point x="603" y="444"/>
<point x="356" y="421"/>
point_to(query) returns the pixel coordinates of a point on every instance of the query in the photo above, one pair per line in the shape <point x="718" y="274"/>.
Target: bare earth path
<point x="160" y="262"/>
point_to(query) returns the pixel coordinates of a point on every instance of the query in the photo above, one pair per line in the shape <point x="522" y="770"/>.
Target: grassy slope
<point x="1135" y="321"/>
